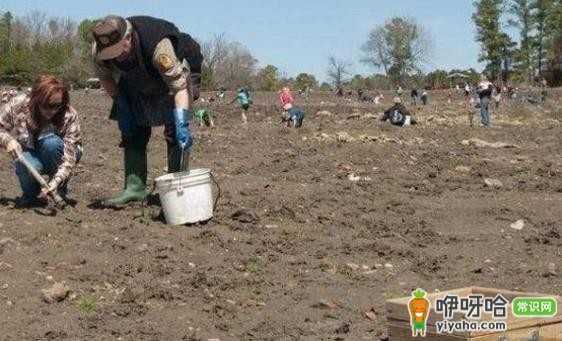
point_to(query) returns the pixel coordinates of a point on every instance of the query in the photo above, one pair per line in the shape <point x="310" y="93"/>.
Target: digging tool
<point x="184" y="161"/>
<point x="59" y="201"/>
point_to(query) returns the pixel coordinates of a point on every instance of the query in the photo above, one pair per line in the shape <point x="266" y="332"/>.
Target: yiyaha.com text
<point x="449" y="327"/>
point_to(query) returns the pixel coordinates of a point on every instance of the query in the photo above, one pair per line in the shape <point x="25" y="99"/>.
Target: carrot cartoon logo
<point x="419" y="306"/>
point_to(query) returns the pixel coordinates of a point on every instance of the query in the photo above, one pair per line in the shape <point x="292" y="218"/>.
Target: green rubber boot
<point x="135" y="178"/>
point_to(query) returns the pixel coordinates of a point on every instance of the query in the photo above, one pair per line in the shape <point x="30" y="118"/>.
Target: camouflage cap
<point x="109" y="34"/>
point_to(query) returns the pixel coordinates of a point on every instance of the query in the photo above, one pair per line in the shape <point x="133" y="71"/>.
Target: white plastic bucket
<point x="186" y="197"/>
<point x="407" y="121"/>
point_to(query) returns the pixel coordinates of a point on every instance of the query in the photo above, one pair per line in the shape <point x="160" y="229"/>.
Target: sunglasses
<point x="54" y="106"/>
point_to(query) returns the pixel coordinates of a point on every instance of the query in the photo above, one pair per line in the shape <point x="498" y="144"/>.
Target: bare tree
<point x="338" y="70"/>
<point x="226" y="64"/>
<point x="214" y="53"/>
<point x="399" y="47"/>
<point x="238" y="68"/>
<point x="36" y="22"/>
<point x="377" y="50"/>
<point x="20" y="34"/>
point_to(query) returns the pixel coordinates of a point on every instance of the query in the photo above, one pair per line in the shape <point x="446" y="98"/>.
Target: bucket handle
<point x="219" y="191"/>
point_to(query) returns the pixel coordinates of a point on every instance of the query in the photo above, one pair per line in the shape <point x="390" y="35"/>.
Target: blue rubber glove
<point x="183" y="135"/>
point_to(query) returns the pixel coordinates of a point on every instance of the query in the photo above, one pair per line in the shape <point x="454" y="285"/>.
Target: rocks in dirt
<point x="493" y="183"/>
<point x="368" y="138"/>
<point x="5" y="266"/>
<point x="344" y="137"/>
<point x="324" y="113"/>
<point x="354" y="178"/>
<point x="344" y="167"/>
<point x="142" y="248"/>
<point x="463" y="169"/>
<point x="344" y="328"/>
<point x="371" y="314"/>
<point x="325" y="304"/>
<point x="552" y="269"/>
<point x="5" y="241"/>
<point x="352" y="266"/>
<point x="253" y="303"/>
<point x="57" y="293"/>
<point x="483" y="144"/>
<point x="245" y="216"/>
<point x="324" y="137"/>
<point x="518" y="225"/>
<point x="388" y="266"/>
<point x="477" y="270"/>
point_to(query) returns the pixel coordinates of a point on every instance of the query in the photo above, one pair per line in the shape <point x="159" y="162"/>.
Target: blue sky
<point x="296" y="36"/>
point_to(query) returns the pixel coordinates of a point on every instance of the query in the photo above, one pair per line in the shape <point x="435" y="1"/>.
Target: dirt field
<point x="315" y="226"/>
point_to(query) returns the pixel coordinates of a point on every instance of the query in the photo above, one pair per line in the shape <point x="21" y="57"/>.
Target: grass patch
<point x="254" y="265"/>
<point x="87" y="305"/>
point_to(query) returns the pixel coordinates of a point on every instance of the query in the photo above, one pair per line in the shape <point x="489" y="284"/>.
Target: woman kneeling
<point x="43" y="129"/>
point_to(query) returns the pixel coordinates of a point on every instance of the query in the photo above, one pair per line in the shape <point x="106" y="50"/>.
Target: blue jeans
<point x="484" y="112"/>
<point x="45" y="158"/>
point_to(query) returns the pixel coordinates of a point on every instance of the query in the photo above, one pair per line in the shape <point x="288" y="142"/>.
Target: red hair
<point x="43" y="88"/>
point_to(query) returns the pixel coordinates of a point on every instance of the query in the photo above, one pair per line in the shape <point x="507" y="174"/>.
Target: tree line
<point x="35" y="44"/>
<point x="398" y="50"/>
<point x="536" y="54"/>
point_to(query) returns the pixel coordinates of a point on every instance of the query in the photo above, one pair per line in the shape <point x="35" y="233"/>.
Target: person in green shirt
<point x="244" y="99"/>
<point x="204" y="116"/>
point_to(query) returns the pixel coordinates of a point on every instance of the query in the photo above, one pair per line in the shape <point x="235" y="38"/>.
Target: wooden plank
<point x="551" y="332"/>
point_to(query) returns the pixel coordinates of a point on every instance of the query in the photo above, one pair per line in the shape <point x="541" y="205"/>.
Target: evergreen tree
<point x="487" y="18"/>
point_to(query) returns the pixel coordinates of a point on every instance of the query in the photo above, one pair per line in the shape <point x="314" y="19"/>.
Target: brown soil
<point x="295" y="249"/>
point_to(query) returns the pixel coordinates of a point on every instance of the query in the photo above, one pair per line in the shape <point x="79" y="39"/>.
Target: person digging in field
<point x="152" y="71"/>
<point x="378" y="98"/>
<point x="204" y="117"/>
<point x="45" y="130"/>
<point x="467" y="90"/>
<point x="221" y="93"/>
<point x="414" y="96"/>
<point x="244" y="99"/>
<point x="293" y="116"/>
<point x="424" y="97"/>
<point x="485" y="92"/>
<point x="544" y="90"/>
<point x="285" y="97"/>
<point x="497" y="95"/>
<point x="398" y="115"/>
<point x="363" y="97"/>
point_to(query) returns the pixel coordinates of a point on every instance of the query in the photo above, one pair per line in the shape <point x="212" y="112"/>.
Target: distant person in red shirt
<point x="286" y="97"/>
